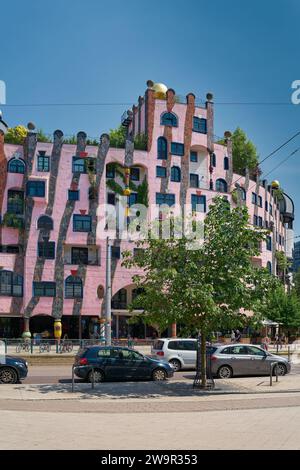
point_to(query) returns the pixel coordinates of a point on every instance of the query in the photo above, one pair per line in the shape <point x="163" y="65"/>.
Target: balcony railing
<point x="199" y="103"/>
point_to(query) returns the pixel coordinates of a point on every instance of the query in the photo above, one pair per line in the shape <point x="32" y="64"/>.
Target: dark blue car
<point x="12" y="369"/>
<point x="117" y="363"/>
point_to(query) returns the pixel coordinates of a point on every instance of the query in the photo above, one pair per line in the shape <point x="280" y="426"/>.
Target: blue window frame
<point x="162" y="148"/>
<point x="43" y="161"/>
<point x="199" y="125"/>
<point x="175" y="174"/>
<point x="73" y="194"/>
<point x="213" y="160"/>
<point x="226" y="163"/>
<point x="46" y="250"/>
<point x="78" y="165"/>
<point x="193" y="156"/>
<point x="132" y="199"/>
<point x="161" y="172"/>
<point x="169" y="119"/>
<point x="167" y="199"/>
<point x="198" y="203"/>
<point x="115" y="252"/>
<point x="110" y="171"/>
<point x="135" y="174"/>
<point x="177" y="148"/>
<point x="82" y="223"/>
<point x="194" y="180"/>
<point x="44" y="289"/>
<point x="269" y="243"/>
<point x="11" y="284"/>
<point x="221" y="186"/>
<point x="73" y="288"/>
<point x="15" y="201"/>
<point x="16" y="165"/>
<point x="35" y="188"/>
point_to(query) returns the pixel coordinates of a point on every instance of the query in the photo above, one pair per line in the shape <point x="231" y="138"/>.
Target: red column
<point x="174" y="330"/>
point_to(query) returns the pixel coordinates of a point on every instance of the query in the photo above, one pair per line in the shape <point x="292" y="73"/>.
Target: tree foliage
<point x="203" y="288"/>
<point x="244" y="153"/>
<point x="16" y="135"/>
<point x="283" y="307"/>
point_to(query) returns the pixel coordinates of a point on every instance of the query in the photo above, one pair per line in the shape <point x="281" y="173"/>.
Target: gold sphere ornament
<point x="275" y="184"/>
<point x="127" y="192"/>
<point x="160" y="90"/>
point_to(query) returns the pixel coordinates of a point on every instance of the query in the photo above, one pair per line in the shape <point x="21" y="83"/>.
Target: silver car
<point x="227" y="360"/>
<point x="245" y="359"/>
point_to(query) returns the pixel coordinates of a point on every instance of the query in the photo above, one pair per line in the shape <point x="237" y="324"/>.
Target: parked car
<point x="13" y="369"/>
<point x="226" y="360"/>
<point x="245" y="359"/>
<point x="180" y="353"/>
<point x="117" y="363"/>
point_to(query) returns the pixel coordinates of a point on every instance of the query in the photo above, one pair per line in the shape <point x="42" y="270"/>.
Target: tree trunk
<point x="203" y="359"/>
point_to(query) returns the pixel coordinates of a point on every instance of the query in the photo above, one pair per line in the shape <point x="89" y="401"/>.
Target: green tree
<point x="202" y="288"/>
<point x="296" y="280"/>
<point x="117" y="137"/>
<point x="283" y="307"/>
<point x="244" y="153"/>
<point x="15" y="135"/>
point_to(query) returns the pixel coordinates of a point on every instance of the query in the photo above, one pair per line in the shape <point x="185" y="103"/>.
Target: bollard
<point x="93" y="377"/>
<point x="72" y="378"/>
<point x="289" y="353"/>
<point x="31" y="346"/>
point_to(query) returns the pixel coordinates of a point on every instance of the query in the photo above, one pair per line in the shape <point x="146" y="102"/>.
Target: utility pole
<point x="108" y="295"/>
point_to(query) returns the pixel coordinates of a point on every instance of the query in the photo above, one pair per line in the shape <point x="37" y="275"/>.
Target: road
<point x="62" y="374"/>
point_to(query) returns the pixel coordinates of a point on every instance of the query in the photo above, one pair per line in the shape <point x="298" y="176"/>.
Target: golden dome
<point x="275" y="184"/>
<point x="160" y="90"/>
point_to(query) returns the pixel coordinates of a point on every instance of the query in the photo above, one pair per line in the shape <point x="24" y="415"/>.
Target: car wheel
<point x="175" y="364"/>
<point x="8" y="376"/>
<point x="98" y="376"/>
<point x="281" y="369"/>
<point x="225" y="372"/>
<point x="159" y="375"/>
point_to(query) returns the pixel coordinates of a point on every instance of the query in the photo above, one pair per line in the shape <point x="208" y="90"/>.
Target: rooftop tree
<point x="203" y="288"/>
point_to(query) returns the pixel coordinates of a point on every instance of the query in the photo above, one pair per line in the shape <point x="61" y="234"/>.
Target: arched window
<point x="45" y="222"/>
<point x="169" y="119"/>
<point x="11" y="284"/>
<point x="269" y="267"/>
<point x="119" y="300"/>
<point x="175" y="174"/>
<point x="162" y="148"/>
<point x="73" y="288"/>
<point x="213" y="160"/>
<point x="221" y="186"/>
<point x="226" y="163"/>
<point x="16" y="165"/>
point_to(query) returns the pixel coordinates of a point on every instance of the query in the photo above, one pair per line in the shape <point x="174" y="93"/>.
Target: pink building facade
<point x="52" y="258"/>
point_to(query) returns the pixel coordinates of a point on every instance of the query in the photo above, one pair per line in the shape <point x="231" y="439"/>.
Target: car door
<point x="187" y="351"/>
<point x="141" y="367"/>
<point x="122" y="365"/>
<point x="240" y="361"/>
<point x="259" y="364"/>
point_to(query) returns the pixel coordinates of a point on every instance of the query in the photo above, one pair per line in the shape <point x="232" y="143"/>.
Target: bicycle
<point x="45" y="347"/>
<point x="66" y="347"/>
<point x="25" y="346"/>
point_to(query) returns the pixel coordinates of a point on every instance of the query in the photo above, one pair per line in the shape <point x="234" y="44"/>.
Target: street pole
<point x="108" y="295"/>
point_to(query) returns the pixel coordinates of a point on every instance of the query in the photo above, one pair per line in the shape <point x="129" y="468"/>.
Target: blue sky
<point x="94" y="51"/>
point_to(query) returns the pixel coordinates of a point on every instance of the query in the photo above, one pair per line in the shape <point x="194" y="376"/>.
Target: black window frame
<point x="177" y="148"/>
<point x="45" y="226"/>
<point x="46" y="249"/>
<point x="162" y="169"/>
<point x="199" y="125"/>
<point x="43" y="162"/>
<point x="193" y="156"/>
<point x="195" y="183"/>
<point x="82" y="255"/>
<point x="14" y="288"/>
<point x="80" y="220"/>
<point x="165" y="198"/>
<point x="73" y="193"/>
<point x="135" y="174"/>
<point x="73" y="287"/>
<point x="44" y="289"/>
<point x="36" y="188"/>
<point x="17" y="205"/>
<point x="16" y="164"/>
<point x="198" y="200"/>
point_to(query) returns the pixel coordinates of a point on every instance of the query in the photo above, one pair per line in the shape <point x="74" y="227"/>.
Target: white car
<point x="181" y="353"/>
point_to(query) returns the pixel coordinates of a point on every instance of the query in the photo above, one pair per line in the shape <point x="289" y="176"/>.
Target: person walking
<point x="238" y="336"/>
<point x="232" y="337"/>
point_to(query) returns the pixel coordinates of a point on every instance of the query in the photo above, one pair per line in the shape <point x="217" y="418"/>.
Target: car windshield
<point x="158" y="345"/>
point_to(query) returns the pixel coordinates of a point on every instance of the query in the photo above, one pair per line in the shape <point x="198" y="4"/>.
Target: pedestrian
<point x="238" y="336"/>
<point x="232" y="337"/>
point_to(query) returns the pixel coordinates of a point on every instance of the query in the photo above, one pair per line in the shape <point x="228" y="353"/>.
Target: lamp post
<point x="108" y="295"/>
